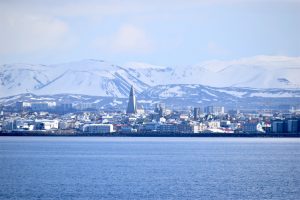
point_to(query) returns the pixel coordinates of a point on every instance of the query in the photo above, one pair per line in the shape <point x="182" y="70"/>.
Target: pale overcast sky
<point x="164" y="32"/>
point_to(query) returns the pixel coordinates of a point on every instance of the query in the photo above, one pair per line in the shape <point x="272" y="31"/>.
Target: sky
<point x="169" y="32"/>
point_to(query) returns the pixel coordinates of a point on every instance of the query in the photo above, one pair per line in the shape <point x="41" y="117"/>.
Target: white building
<point x="22" y="124"/>
<point x="214" y="124"/>
<point x="202" y="127"/>
<point x="98" y="128"/>
<point x="46" y="124"/>
<point x="184" y="117"/>
<point x="67" y="124"/>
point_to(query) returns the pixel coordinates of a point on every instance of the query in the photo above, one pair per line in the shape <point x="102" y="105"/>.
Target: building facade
<point x="131" y="108"/>
<point x="98" y="128"/>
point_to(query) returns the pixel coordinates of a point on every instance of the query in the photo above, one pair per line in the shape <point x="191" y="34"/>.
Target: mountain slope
<point x="254" y="72"/>
<point x="207" y="93"/>
<point x="100" y="78"/>
<point x="91" y="77"/>
<point x="178" y="96"/>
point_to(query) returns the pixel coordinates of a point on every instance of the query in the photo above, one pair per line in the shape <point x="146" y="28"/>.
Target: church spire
<point x="131" y="108"/>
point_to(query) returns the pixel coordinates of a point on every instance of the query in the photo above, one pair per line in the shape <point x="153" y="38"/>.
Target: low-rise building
<point x="128" y="129"/>
<point x="253" y="127"/>
<point x="149" y="127"/>
<point x="98" y="128"/>
<point x="46" y="124"/>
<point x="277" y="126"/>
<point x="168" y="128"/>
<point x="186" y="127"/>
<point x="213" y="124"/>
<point x="64" y="125"/>
<point x="292" y="125"/>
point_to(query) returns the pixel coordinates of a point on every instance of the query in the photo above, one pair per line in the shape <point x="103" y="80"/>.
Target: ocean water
<point x="149" y="168"/>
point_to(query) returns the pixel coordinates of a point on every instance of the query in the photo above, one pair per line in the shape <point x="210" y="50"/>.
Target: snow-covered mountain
<point x="253" y="72"/>
<point x="100" y="78"/>
<point x="90" y="77"/>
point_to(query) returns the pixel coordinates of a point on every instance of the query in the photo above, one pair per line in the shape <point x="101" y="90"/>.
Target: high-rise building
<point x="196" y="113"/>
<point x="214" y="109"/>
<point x="131" y="108"/>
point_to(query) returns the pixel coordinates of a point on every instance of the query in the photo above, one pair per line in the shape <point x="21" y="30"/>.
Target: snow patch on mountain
<point x="173" y="92"/>
<point x="234" y="93"/>
<point x="274" y="95"/>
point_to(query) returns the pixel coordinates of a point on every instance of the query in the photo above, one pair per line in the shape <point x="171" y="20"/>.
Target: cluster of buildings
<point x="210" y="119"/>
<point x="51" y="106"/>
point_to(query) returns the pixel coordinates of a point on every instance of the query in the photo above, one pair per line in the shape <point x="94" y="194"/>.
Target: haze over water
<point x="149" y="168"/>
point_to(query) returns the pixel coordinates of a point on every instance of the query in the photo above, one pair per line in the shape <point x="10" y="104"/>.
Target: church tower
<point x="131" y="108"/>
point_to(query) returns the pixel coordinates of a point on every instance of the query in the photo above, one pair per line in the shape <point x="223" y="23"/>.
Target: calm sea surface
<point x="149" y="168"/>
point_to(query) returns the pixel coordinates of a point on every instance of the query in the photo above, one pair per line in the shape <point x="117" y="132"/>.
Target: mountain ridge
<point x="101" y="78"/>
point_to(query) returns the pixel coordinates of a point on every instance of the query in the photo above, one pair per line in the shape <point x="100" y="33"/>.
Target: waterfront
<point x="149" y="168"/>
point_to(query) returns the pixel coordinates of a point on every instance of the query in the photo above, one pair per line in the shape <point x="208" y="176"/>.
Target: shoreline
<point x="75" y="134"/>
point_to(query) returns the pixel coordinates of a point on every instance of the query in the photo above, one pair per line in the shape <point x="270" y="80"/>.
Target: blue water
<point x="149" y="168"/>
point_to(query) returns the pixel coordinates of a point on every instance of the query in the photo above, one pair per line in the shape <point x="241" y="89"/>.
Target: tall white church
<point x="131" y="108"/>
